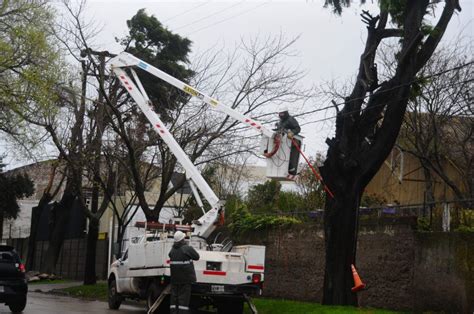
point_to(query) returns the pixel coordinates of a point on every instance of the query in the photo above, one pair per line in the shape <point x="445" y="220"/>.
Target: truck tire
<point x="153" y="293"/>
<point x="114" y="298"/>
<point x="18" y="306"/>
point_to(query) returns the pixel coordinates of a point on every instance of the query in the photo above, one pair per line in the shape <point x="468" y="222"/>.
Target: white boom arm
<point x="125" y="59"/>
<point x="205" y="225"/>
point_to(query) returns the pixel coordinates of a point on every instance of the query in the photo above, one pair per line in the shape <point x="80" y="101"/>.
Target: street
<point x="41" y="303"/>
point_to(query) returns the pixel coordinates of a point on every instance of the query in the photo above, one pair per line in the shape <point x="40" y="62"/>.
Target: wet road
<point x="41" y="303"/>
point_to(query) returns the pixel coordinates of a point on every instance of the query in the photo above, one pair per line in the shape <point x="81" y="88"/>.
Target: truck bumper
<point x="210" y="289"/>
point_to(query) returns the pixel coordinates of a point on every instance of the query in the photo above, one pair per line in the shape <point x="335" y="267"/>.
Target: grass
<point x="267" y="306"/>
<point x="96" y="292"/>
<point x="48" y="281"/>
<point x="264" y="306"/>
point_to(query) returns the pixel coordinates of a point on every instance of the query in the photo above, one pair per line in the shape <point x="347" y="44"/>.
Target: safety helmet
<point x="283" y="108"/>
<point x="179" y="236"/>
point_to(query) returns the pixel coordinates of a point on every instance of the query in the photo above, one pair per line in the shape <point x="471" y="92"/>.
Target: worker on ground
<point x="182" y="274"/>
<point x="290" y="126"/>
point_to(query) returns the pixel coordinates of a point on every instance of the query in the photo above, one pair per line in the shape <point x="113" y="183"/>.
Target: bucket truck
<point x="226" y="275"/>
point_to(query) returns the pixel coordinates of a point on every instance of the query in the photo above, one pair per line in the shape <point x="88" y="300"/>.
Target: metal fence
<point x="452" y="215"/>
<point x="71" y="262"/>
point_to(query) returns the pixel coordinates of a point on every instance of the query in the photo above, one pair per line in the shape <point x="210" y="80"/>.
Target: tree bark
<point x="340" y="236"/>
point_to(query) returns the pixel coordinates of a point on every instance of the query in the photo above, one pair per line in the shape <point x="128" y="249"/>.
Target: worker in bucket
<point x="290" y="126"/>
<point x="182" y="274"/>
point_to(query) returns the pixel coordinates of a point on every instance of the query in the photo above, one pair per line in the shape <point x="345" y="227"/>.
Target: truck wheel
<point x="153" y="293"/>
<point x="114" y="298"/>
<point x="18" y="306"/>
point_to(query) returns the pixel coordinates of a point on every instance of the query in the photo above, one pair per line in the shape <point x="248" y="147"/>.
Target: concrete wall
<point x="403" y="269"/>
<point x="444" y="272"/>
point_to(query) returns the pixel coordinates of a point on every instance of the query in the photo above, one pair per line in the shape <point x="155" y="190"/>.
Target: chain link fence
<point x="452" y="215"/>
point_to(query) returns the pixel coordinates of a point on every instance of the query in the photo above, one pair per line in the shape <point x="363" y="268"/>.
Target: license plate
<point x="2" y="289"/>
<point x="217" y="289"/>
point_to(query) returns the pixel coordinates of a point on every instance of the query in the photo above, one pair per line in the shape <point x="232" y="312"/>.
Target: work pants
<point x="294" y="158"/>
<point x="180" y="297"/>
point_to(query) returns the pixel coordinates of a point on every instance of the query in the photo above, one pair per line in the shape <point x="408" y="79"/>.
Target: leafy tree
<point x="310" y="186"/>
<point x="12" y="188"/>
<point x="32" y="95"/>
<point x="262" y="198"/>
<point x="149" y="40"/>
<point x="29" y="65"/>
<point x="368" y="124"/>
<point x="268" y="198"/>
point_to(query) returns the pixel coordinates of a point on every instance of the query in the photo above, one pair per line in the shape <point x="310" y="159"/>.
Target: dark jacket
<point x="288" y="123"/>
<point x="181" y="263"/>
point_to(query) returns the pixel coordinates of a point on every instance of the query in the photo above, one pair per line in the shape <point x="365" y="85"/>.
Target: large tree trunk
<point x="340" y="235"/>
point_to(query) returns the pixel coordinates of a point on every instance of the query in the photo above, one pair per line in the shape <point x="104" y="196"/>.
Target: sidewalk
<point x="49" y="287"/>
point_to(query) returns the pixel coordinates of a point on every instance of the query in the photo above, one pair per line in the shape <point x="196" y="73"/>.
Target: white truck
<point x="226" y="275"/>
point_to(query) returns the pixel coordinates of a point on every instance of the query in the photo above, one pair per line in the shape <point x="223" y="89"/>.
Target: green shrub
<point x="243" y="221"/>
<point x="466" y="229"/>
<point x="423" y="224"/>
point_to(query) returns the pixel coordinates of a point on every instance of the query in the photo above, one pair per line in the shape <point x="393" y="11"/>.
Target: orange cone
<point x="358" y="284"/>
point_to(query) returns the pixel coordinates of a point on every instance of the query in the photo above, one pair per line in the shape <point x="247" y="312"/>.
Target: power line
<point x="365" y="109"/>
<point x="376" y="106"/>
<point x="209" y="16"/>
<point x="337" y="104"/>
<point x="227" y="19"/>
<point x="187" y="11"/>
<point x="393" y="88"/>
<point x="378" y="93"/>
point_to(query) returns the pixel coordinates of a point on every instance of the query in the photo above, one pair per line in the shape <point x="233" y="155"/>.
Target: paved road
<point x="41" y="303"/>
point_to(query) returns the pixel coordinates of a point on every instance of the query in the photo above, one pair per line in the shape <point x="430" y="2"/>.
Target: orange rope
<point x="312" y="168"/>
<point x="276" y="146"/>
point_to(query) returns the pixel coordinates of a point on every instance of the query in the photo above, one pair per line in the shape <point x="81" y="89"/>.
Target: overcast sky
<point x="329" y="46"/>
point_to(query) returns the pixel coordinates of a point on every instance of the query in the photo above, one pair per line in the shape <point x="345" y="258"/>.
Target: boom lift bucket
<point x="281" y="156"/>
